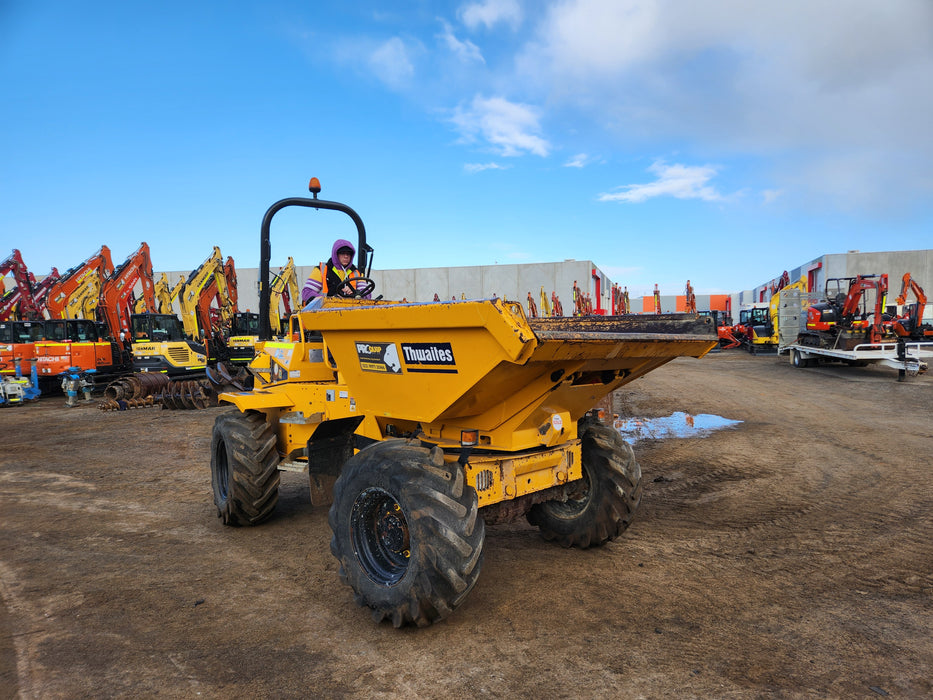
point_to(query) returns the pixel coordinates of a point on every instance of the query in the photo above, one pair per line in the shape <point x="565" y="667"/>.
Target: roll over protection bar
<point x="265" y="247"/>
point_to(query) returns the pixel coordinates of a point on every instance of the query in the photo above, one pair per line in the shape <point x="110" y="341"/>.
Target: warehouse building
<point x="919" y="263"/>
<point x="516" y="282"/>
<point x="511" y="282"/>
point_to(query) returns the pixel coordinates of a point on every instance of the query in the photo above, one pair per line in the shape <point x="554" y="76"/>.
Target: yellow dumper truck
<point x="437" y="418"/>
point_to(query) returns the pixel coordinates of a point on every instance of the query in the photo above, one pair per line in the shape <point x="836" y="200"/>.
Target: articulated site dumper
<point x="437" y="418"/>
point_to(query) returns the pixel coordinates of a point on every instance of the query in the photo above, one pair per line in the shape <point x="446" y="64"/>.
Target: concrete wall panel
<point x="514" y="282"/>
<point x="465" y="282"/>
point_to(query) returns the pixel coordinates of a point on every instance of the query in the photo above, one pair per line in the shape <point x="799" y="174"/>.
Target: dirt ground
<point x="790" y="556"/>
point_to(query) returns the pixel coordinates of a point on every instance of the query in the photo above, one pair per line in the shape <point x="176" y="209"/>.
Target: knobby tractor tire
<point x="610" y="496"/>
<point x="244" y="471"/>
<point x="406" y="532"/>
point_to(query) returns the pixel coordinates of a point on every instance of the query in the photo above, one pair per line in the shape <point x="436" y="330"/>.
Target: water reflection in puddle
<point x="676" y="425"/>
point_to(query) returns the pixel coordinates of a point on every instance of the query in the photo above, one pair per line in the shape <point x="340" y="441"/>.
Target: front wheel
<point x="605" y="501"/>
<point x="406" y="532"/>
<point x="244" y="472"/>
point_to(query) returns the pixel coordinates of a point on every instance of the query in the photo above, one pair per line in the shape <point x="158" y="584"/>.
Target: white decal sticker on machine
<point x="437" y="358"/>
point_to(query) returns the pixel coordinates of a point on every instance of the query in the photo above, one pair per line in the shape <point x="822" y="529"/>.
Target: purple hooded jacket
<point x="313" y="285"/>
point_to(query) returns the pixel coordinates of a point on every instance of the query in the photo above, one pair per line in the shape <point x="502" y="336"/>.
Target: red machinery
<point x="844" y="319"/>
<point x="690" y="300"/>
<point x="23" y="296"/>
<point x="532" y="307"/>
<point x="910" y="323"/>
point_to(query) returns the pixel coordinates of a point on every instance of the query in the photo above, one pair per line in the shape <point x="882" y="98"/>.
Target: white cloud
<point x="770" y="196"/>
<point x="578" y="161"/>
<point x="489" y="13"/>
<point x="680" y="181"/>
<point x="391" y="63"/>
<point x="465" y="50"/>
<point x="796" y="83"/>
<point x="510" y="128"/>
<point x="480" y="167"/>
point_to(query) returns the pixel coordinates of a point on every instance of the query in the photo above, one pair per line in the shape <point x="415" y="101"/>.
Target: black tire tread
<point x="614" y="494"/>
<point x="252" y="461"/>
<point x="447" y="533"/>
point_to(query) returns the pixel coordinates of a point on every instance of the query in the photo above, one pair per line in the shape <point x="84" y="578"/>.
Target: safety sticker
<point x="378" y="357"/>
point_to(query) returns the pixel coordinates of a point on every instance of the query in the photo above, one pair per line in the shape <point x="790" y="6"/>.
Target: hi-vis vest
<point x="326" y="269"/>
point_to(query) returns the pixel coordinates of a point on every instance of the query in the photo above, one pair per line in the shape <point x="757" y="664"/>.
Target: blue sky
<point x="721" y="141"/>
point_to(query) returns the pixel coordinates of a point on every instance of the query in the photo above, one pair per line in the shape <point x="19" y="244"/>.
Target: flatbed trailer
<point x="909" y="358"/>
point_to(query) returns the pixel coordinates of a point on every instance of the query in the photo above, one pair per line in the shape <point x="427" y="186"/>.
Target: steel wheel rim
<point x="380" y="536"/>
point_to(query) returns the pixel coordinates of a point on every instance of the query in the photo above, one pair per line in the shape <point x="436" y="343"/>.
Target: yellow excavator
<point x="161" y="344"/>
<point x="765" y="337"/>
<point x="76" y="294"/>
<point x="165" y="295"/>
<point x="244" y="326"/>
<point x="284" y="292"/>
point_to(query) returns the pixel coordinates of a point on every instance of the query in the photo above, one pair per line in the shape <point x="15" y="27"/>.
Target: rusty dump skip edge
<point x="640" y="327"/>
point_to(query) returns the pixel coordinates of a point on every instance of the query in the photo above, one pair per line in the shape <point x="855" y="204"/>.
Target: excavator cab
<point x="156" y="328"/>
<point x="75" y="330"/>
<point x="244" y="323"/>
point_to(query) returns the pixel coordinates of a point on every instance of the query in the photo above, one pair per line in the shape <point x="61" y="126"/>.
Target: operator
<point x="327" y="279"/>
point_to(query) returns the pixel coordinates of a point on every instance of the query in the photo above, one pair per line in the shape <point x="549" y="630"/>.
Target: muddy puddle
<point x="676" y="425"/>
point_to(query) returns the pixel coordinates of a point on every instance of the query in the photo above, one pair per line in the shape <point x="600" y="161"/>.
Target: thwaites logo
<point x="437" y="358"/>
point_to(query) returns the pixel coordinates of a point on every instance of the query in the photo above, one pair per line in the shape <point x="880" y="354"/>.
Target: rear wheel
<point x="606" y="500"/>
<point x="406" y="532"/>
<point x="244" y="472"/>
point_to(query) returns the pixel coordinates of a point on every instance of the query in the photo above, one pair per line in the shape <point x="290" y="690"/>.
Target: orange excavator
<point x="117" y="294"/>
<point x="71" y="301"/>
<point x="18" y="345"/>
<point x="557" y="309"/>
<point x="843" y="320"/>
<point x="105" y="347"/>
<point x="620" y="301"/>
<point x="77" y="293"/>
<point x="690" y="299"/>
<point x="532" y="307"/>
<point x="910" y="324"/>
<point x="726" y="331"/>
<point x="582" y="304"/>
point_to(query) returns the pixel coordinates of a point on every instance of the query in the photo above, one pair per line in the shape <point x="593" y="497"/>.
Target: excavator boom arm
<point x="79" y="281"/>
<point x="116" y="293"/>
<point x="15" y="266"/>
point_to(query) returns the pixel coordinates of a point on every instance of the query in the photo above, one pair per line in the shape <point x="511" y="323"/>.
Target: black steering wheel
<point x="356" y="288"/>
